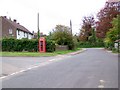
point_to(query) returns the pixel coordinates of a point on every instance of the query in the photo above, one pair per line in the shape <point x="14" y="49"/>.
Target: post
<point x="71" y="26"/>
<point x="38" y="33"/>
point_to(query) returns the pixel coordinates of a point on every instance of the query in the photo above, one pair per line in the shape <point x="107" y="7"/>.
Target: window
<point x="18" y="32"/>
<point x="10" y="31"/>
<point x="24" y="34"/>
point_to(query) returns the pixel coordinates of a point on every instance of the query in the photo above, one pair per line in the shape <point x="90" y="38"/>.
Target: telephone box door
<point x="42" y="44"/>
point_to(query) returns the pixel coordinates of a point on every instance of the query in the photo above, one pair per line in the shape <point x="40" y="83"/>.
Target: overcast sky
<point x="51" y="12"/>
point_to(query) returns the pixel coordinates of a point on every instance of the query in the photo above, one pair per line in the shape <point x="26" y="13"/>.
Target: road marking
<point x="12" y="74"/>
<point x="52" y="60"/>
<point x="29" y="68"/>
<point x="101" y="84"/>
<point x="36" y="66"/>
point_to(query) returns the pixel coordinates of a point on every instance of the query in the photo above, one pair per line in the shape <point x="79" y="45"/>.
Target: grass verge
<point x="36" y="54"/>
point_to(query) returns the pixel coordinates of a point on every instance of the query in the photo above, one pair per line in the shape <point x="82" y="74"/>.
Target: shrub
<point x="62" y="36"/>
<point x="90" y="45"/>
<point x="11" y="44"/>
<point x="50" y="45"/>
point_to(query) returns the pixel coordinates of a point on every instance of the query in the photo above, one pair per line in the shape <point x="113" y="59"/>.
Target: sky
<point x="51" y="12"/>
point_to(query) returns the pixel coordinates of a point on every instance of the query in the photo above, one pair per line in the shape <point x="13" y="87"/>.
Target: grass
<point x="36" y="54"/>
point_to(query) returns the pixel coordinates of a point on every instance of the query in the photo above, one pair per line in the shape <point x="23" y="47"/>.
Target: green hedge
<point x="11" y="44"/>
<point x="90" y="45"/>
<point x="50" y="45"/>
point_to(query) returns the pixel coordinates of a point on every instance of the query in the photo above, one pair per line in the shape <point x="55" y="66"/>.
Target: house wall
<point x="30" y="36"/>
<point x="6" y="26"/>
<point x="7" y="29"/>
<point x="21" y="34"/>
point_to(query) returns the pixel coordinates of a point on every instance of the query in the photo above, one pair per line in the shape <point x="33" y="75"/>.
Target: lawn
<point x="36" y="54"/>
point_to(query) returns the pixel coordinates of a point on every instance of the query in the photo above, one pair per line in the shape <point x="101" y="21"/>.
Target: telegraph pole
<point x="38" y="33"/>
<point x="71" y="26"/>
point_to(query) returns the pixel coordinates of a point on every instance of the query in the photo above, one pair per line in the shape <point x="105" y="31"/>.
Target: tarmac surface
<point x="84" y="70"/>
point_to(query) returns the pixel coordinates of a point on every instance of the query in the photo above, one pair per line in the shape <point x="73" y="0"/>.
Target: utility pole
<point x="71" y="26"/>
<point x="38" y="33"/>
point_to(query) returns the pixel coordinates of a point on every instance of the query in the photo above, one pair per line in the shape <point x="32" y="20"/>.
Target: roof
<point x="17" y="25"/>
<point x="113" y="1"/>
<point x="117" y="40"/>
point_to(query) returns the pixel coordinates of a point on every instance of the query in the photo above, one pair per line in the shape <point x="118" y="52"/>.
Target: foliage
<point x="86" y="31"/>
<point x="92" y="38"/>
<point x="11" y="44"/>
<point x="62" y="36"/>
<point x="113" y="34"/>
<point x="105" y="16"/>
<point x="50" y="45"/>
<point x="90" y="45"/>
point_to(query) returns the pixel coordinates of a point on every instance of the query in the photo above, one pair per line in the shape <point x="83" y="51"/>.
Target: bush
<point x="62" y="36"/>
<point x="19" y="45"/>
<point x="115" y="50"/>
<point x="50" y="45"/>
<point x="90" y="45"/>
<point x="113" y="34"/>
<point x="11" y="44"/>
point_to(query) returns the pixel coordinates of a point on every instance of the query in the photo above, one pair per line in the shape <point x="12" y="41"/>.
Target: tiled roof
<point x="17" y="25"/>
<point x="113" y="0"/>
<point x="117" y="40"/>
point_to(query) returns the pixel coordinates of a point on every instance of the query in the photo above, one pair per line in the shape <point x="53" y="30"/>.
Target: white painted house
<point x="21" y="34"/>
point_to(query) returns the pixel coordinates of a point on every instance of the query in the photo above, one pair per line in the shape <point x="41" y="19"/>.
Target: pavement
<point x="11" y="65"/>
<point x="83" y="70"/>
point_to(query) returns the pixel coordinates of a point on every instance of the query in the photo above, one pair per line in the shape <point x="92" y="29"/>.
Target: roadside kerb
<point x="80" y="51"/>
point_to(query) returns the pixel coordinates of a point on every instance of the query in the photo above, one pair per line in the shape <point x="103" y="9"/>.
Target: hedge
<point x="50" y="45"/>
<point x="90" y="45"/>
<point x="11" y="44"/>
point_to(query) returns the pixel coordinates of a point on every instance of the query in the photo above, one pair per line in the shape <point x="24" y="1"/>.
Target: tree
<point x="105" y="16"/>
<point x="113" y="33"/>
<point x="62" y="36"/>
<point x="86" y="31"/>
<point x="92" y="38"/>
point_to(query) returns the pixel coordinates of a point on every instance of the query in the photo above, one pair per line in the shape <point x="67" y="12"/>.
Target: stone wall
<point x="61" y="47"/>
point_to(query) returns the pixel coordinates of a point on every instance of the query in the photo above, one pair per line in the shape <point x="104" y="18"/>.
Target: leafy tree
<point x="86" y="30"/>
<point x="105" y="16"/>
<point x="62" y="36"/>
<point x="92" y="38"/>
<point x="113" y="33"/>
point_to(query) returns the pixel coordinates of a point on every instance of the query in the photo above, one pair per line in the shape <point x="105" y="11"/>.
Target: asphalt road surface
<point x="84" y="70"/>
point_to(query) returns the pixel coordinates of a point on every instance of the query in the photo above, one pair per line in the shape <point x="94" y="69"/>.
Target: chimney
<point x="15" y="20"/>
<point x="5" y="17"/>
<point x="33" y="32"/>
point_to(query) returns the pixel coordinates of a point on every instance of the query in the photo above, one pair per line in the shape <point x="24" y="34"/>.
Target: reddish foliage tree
<point x="105" y="16"/>
<point x="88" y="22"/>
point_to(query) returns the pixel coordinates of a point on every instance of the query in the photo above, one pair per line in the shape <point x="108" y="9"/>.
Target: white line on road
<point x="60" y="57"/>
<point x="35" y="66"/>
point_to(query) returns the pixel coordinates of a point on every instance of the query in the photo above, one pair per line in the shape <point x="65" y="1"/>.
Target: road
<point x="84" y="70"/>
<point x="19" y="63"/>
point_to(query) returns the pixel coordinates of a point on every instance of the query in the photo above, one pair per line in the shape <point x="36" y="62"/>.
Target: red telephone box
<point x="42" y="44"/>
